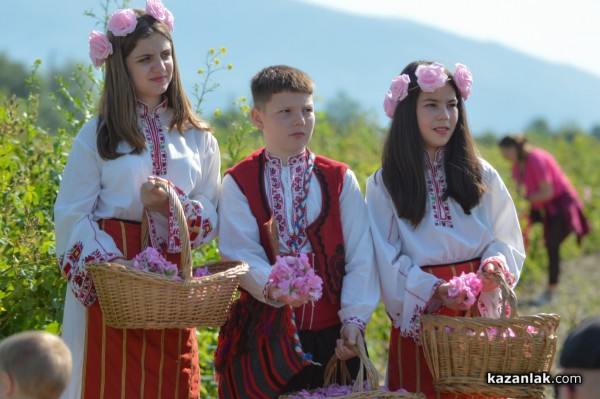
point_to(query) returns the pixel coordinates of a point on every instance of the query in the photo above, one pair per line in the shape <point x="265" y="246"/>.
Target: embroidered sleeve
<point x="406" y="289"/>
<point x="357" y="322"/>
<point x="79" y="239"/>
<point x="360" y="289"/>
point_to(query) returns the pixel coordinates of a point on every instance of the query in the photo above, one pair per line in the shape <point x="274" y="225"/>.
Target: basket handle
<point x="508" y="294"/>
<point x="186" y="249"/>
<point x="366" y="369"/>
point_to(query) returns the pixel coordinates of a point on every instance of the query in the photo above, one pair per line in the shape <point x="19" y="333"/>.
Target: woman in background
<point x="553" y="200"/>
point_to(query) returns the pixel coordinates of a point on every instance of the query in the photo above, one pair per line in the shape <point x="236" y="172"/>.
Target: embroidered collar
<point x="291" y="161"/>
<point x="438" y="156"/>
<point x="144" y="110"/>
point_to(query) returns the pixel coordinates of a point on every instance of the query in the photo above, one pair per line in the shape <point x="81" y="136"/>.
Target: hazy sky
<point x="562" y="31"/>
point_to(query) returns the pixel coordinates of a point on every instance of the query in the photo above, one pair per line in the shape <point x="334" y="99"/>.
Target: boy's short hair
<point x="39" y="362"/>
<point x="276" y="79"/>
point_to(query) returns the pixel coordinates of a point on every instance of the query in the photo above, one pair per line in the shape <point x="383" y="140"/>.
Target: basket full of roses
<point x="157" y="294"/>
<point x="461" y="351"/>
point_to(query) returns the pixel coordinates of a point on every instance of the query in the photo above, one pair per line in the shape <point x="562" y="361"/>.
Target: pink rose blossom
<point x="431" y="77"/>
<point x="169" y="20"/>
<point x="465" y="284"/>
<point x="156" y="9"/>
<point x="293" y="278"/>
<point x="122" y="22"/>
<point x="160" y="13"/>
<point x="150" y="260"/>
<point x="397" y="92"/>
<point x="201" y="272"/>
<point x="100" y="48"/>
<point x="463" y="80"/>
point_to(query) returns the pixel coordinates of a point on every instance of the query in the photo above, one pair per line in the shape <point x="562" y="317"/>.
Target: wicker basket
<point x="460" y="351"/>
<point x="336" y="370"/>
<point x="132" y="298"/>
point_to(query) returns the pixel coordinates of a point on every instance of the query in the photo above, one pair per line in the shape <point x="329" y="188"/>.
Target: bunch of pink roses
<point x="150" y="260"/>
<point x="465" y="284"/>
<point x="293" y="278"/>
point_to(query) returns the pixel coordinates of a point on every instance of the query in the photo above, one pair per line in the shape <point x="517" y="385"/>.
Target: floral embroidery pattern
<point x="436" y="187"/>
<point x="153" y="130"/>
<point x="80" y="280"/>
<point x="274" y="171"/>
<point x="356" y="321"/>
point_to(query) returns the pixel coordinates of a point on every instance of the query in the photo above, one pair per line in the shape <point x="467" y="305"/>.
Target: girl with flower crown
<point x="436" y="210"/>
<point x="145" y="132"/>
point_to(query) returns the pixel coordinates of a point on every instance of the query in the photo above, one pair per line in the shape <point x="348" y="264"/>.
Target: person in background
<point x="33" y="365"/>
<point x="553" y="199"/>
<point x="145" y="135"/>
<point x="436" y="210"/>
<point x="580" y="355"/>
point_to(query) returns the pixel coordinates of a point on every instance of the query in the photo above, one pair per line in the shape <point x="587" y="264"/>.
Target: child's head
<point x="34" y="364"/>
<point x="283" y="108"/>
<point x="126" y="28"/>
<point x="581" y="356"/>
<point x="426" y="104"/>
<point x="139" y="61"/>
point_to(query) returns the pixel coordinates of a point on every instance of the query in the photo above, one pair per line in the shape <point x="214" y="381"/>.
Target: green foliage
<point x="31" y="289"/>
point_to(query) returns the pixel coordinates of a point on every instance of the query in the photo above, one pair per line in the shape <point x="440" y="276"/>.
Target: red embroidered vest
<point x="324" y="234"/>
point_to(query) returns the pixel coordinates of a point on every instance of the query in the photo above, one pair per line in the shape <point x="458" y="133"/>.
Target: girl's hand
<point x="349" y="336"/>
<point x="487" y="283"/>
<point x="455" y="303"/>
<point x="155" y="198"/>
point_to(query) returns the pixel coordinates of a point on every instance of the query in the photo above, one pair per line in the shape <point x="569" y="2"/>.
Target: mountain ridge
<point x="342" y="52"/>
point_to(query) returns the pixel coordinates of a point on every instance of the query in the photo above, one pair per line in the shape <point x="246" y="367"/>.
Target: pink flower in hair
<point x="122" y="22"/>
<point x="397" y="92"/>
<point x="169" y="20"/>
<point x="431" y="77"/>
<point x="160" y="13"/>
<point x="100" y="48"/>
<point x="463" y="80"/>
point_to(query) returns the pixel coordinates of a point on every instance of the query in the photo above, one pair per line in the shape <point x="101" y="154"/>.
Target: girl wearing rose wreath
<point x="145" y="131"/>
<point x="436" y="210"/>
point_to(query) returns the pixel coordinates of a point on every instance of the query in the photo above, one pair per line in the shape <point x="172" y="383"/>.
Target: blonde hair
<point x="117" y="115"/>
<point x="39" y="362"/>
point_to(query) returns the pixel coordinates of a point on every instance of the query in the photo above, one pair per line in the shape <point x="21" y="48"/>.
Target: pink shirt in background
<point x="542" y="167"/>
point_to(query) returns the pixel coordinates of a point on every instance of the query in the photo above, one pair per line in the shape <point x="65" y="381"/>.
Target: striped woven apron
<point x="137" y="363"/>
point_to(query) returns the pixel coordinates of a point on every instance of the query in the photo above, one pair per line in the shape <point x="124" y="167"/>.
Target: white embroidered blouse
<point x="93" y="188"/>
<point x="239" y="235"/>
<point x="446" y="235"/>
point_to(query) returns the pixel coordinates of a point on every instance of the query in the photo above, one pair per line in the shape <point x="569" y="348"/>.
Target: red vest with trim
<point x="324" y="234"/>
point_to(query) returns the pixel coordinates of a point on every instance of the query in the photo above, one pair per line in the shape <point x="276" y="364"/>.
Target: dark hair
<point x="117" y="115"/>
<point x="403" y="163"/>
<point x="276" y="79"/>
<point x="517" y="141"/>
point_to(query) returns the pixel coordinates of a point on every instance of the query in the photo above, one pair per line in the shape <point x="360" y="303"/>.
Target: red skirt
<point x="407" y="367"/>
<point x="137" y="363"/>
